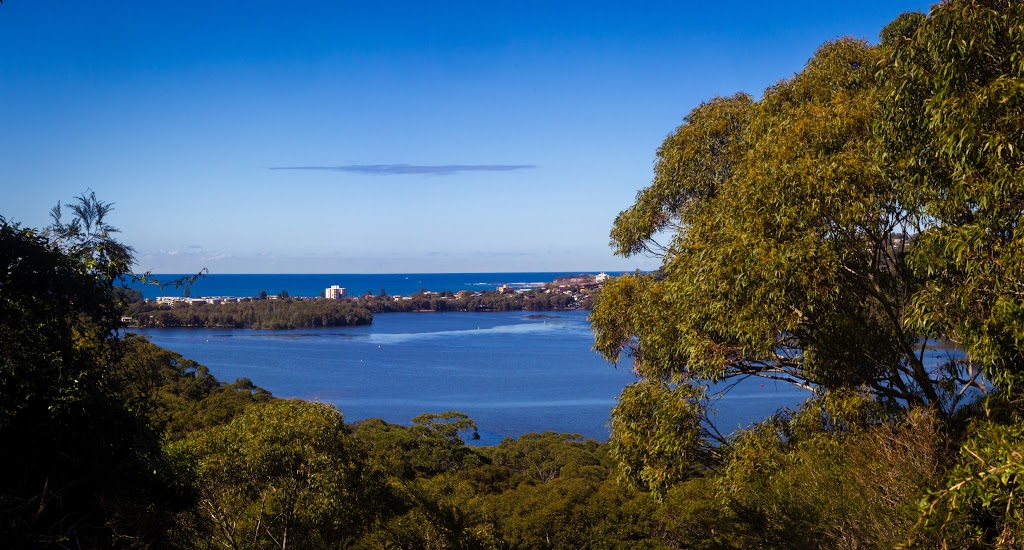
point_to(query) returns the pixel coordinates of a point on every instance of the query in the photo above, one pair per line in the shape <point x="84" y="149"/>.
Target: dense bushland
<point x="258" y="314"/>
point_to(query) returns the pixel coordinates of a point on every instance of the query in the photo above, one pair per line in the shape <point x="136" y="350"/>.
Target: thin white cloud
<point x="412" y="169"/>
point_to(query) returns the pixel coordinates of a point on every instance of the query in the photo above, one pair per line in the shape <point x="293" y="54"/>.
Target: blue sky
<point x="375" y="137"/>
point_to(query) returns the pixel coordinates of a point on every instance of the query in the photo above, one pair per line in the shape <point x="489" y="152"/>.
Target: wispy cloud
<point x="493" y="254"/>
<point x="410" y="169"/>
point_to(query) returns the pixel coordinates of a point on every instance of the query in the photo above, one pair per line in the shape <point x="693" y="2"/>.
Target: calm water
<point x="218" y="284"/>
<point x="512" y="372"/>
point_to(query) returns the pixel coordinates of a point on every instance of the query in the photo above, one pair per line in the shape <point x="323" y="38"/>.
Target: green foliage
<point x="436" y="517"/>
<point x="448" y="424"/>
<point x="421" y="462"/>
<point x="430" y="447"/>
<point x="544" y="457"/>
<point x="692" y="165"/>
<point x="571" y="512"/>
<point x="282" y="473"/>
<point x="787" y="260"/>
<point x="178" y="395"/>
<point x="557" y="491"/>
<point x="90" y="238"/>
<point x="980" y="504"/>
<point x="693" y="514"/>
<point x="657" y="435"/>
<point x="799" y="484"/>
<point x="256" y="314"/>
<point x="537" y="491"/>
<point x="82" y="468"/>
<point x="950" y="130"/>
<point x="950" y="134"/>
<point x="824" y="235"/>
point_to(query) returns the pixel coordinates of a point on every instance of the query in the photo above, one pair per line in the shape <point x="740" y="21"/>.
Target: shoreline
<point x="284" y="312"/>
<point x="313" y="285"/>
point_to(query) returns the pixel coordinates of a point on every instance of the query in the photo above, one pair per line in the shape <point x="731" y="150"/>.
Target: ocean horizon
<point x="312" y="284"/>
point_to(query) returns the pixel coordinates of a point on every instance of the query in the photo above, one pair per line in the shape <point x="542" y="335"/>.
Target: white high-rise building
<point x="335" y="292"/>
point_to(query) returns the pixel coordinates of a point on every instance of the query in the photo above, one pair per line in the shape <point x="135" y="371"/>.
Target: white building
<point x="335" y="292"/>
<point x="170" y="300"/>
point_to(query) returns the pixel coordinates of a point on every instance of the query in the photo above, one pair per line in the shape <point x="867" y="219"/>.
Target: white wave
<point x="523" y="328"/>
<point x="457" y="404"/>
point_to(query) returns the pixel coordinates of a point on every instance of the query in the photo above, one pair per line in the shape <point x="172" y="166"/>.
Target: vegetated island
<point x="276" y="312"/>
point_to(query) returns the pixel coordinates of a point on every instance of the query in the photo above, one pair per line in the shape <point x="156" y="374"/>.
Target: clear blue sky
<point x="435" y="136"/>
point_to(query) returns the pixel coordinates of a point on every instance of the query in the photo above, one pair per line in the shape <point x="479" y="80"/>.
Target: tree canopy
<point x="81" y="467"/>
<point x="827" y="233"/>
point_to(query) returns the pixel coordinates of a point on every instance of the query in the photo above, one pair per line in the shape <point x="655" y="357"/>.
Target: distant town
<point x="335" y="307"/>
<point x="577" y="287"/>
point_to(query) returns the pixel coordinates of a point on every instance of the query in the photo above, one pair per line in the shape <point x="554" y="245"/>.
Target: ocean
<point x="311" y="285"/>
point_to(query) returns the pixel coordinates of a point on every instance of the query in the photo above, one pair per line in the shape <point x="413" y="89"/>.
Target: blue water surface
<point x="512" y="372"/>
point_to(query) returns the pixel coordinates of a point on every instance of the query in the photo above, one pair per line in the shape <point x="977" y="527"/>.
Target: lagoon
<point x="512" y="372"/>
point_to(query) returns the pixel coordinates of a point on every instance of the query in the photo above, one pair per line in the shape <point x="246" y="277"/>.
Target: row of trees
<point x="533" y="300"/>
<point x="825" y="235"/>
<point x="258" y="314"/>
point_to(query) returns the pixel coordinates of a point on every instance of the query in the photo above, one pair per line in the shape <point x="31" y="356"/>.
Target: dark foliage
<point x="81" y="468"/>
<point x="257" y="314"/>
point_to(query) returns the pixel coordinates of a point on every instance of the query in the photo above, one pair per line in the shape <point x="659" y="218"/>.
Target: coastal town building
<point x="335" y="292"/>
<point x="171" y="300"/>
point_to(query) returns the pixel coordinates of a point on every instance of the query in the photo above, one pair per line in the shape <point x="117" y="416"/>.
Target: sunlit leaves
<point x="656" y="434"/>
<point x="788" y="254"/>
<point x="280" y="473"/>
<point x="950" y="130"/>
<point x="820" y="234"/>
<point x="692" y="164"/>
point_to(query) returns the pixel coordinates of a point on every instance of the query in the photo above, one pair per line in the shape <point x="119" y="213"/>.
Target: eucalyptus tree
<point x="786" y="259"/>
<point x="951" y="127"/>
<point x="282" y="474"/>
<point x="822" y="235"/>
